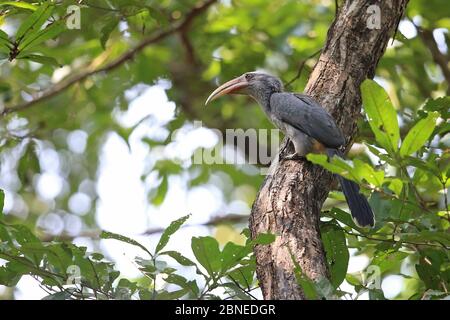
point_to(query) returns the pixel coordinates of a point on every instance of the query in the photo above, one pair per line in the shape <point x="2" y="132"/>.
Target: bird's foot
<point x="295" y="157"/>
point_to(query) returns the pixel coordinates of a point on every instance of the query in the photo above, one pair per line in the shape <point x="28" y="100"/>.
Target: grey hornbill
<point x="307" y="124"/>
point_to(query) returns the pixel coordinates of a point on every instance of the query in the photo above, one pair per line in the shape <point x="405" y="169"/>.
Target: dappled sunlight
<point x="118" y="182"/>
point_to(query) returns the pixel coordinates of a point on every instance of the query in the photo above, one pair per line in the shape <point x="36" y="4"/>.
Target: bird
<point x="306" y="123"/>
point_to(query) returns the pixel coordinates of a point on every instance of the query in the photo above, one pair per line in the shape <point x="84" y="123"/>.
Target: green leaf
<point x="342" y="216"/>
<point x="425" y="235"/>
<point x="23" y="234"/>
<point x="183" y="283"/>
<point x="170" y="230"/>
<point x="441" y="104"/>
<point x="307" y="285"/>
<point x="4" y="36"/>
<point x="207" y="253"/>
<point x="419" y="134"/>
<point x="178" y="257"/>
<point x="2" y="201"/>
<point x="57" y="255"/>
<point x="353" y="280"/>
<point x="232" y="254"/>
<point x="161" y="192"/>
<point x="236" y="291"/>
<point x="148" y="266"/>
<point x="4" y="48"/>
<point x="433" y="268"/>
<point x="34" y="251"/>
<point x="125" y="289"/>
<point x="42" y="60"/>
<point x="322" y="160"/>
<point x="8" y="276"/>
<point x="376" y="294"/>
<point x="145" y="294"/>
<point x="333" y="238"/>
<point x="106" y="31"/>
<point x="58" y="296"/>
<point x="364" y="171"/>
<point x="433" y="295"/>
<point x="388" y="261"/>
<point x="41" y="36"/>
<point x="174" y="295"/>
<point x="428" y="275"/>
<point x="19" y="4"/>
<point x="381" y="115"/>
<point x="428" y="166"/>
<point x="244" y="275"/>
<point x="111" y="235"/>
<point x="264" y="238"/>
<point x="396" y="185"/>
<point x="35" y="21"/>
<point x="16" y="267"/>
<point x="382" y="155"/>
<point x="4" y="53"/>
<point x="335" y="165"/>
<point x="160" y="18"/>
<point x="28" y="163"/>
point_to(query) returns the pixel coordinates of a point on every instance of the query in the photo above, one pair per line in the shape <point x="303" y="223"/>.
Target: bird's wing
<point x="305" y="114"/>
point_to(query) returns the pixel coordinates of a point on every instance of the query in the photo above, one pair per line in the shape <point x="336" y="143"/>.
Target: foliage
<point x="67" y="271"/>
<point x="408" y="224"/>
<point x="93" y="75"/>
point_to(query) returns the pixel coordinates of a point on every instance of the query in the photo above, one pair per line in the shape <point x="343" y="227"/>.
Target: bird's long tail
<point x="359" y="207"/>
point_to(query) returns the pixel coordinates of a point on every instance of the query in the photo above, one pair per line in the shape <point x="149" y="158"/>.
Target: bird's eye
<point x="248" y="76"/>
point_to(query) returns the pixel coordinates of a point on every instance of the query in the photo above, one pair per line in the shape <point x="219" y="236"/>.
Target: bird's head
<point x="254" y="84"/>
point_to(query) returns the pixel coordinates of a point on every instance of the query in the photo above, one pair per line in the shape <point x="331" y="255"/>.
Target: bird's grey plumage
<point x="303" y="113"/>
<point x="357" y="202"/>
<point x="299" y="116"/>
<point x="305" y="122"/>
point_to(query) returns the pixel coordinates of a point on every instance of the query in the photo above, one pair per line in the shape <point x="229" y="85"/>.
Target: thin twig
<point x="395" y="241"/>
<point x="94" y="234"/>
<point x="129" y="55"/>
<point x="438" y="57"/>
<point x="336" y="8"/>
<point x="90" y="5"/>
<point x="300" y="68"/>
<point x="246" y="291"/>
<point x="444" y="185"/>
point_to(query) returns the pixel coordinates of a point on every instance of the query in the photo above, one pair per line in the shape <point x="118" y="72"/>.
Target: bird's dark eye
<point x="248" y="76"/>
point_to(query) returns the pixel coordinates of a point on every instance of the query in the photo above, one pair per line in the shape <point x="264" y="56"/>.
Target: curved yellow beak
<point x="231" y="86"/>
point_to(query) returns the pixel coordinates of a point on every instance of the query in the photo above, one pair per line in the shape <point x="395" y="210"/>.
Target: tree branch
<point x="95" y="234"/>
<point x="290" y="200"/>
<point x="439" y="58"/>
<point x="129" y="55"/>
<point x="300" y="69"/>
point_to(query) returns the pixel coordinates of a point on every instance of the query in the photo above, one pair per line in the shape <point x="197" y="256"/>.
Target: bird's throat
<point x="263" y="99"/>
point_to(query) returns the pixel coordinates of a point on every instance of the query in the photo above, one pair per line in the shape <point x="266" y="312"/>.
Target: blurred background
<point x="114" y="150"/>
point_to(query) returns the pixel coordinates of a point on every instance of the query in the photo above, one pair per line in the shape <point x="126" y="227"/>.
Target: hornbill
<point x="307" y="124"/>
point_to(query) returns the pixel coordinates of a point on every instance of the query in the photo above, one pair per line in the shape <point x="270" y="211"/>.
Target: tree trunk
<point x="290" y="200"/>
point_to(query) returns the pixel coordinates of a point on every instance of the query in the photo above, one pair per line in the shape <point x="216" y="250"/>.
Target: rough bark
<point x="290" y="200"/>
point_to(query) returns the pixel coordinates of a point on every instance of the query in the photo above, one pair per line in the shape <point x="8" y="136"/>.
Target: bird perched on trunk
<point x="307" y="124"/>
